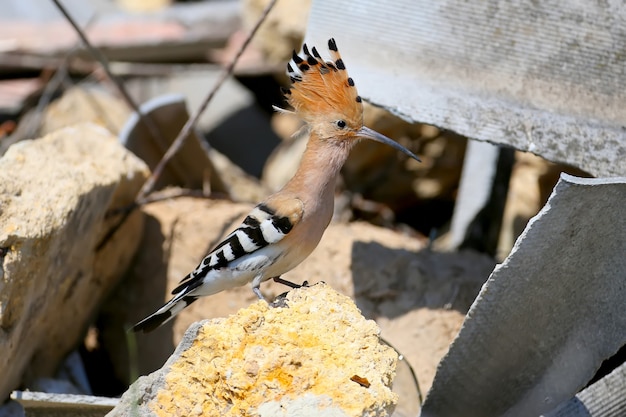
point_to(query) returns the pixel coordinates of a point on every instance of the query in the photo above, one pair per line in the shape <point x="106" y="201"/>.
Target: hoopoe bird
<point x="283" y="230"/>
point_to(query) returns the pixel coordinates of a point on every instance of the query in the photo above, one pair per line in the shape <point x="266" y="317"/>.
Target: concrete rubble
<point x="550" y="312"/>
<point x="548" y="316"/>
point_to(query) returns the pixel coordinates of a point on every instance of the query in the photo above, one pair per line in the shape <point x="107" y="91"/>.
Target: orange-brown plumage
<point x="322" y="91"/>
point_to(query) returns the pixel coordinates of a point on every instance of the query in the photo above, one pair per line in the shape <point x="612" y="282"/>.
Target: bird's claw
<point x="281" y="300"/>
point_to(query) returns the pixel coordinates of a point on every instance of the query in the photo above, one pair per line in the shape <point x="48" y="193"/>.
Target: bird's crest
<point x="323" y="89"/>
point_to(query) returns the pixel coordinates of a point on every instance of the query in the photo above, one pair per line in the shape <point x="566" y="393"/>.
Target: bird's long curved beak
<point x="367" y="133"/>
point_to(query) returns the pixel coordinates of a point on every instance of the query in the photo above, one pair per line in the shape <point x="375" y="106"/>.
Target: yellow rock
<point x="317" y="356"/>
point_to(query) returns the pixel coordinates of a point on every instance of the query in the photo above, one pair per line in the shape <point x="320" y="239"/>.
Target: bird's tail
<point x="165" y="313"/>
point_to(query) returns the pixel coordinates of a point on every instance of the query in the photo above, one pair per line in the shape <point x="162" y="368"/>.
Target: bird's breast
<point x="302" y="240"/>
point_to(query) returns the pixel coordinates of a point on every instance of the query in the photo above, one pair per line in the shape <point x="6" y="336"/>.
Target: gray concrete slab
<point x="545" y="77"/>
<point x="548" y="315"/>
<point x="604" y="398"/>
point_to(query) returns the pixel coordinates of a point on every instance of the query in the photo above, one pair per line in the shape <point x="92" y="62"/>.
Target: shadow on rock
<point x="390" y="281"/>
<point x="140" y="293"/>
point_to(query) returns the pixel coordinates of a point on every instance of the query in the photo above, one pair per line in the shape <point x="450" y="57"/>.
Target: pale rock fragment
<point x="56" y="264"/>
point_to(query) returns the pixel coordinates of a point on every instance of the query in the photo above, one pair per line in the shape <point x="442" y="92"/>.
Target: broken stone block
<point x="55" y="263"/>
<point x="314" y="353"/>
<point x="190" y="167"/>
<point x="79" y="105"/>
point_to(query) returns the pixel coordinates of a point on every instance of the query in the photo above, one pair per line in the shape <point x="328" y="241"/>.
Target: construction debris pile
<point x="95" y="232"/>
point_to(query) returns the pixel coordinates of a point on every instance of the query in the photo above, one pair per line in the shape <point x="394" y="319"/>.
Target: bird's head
<point x="325" y="97"/>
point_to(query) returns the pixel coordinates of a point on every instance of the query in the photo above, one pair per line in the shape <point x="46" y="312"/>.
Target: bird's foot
<point x="281" y="300"/>
<point x="257" y="290"/>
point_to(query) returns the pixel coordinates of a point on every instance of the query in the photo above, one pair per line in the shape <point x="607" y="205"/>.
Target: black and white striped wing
<point x="262" y="227"/>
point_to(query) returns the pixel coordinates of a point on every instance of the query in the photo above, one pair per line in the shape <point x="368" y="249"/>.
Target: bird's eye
<point x="340" y="124"/>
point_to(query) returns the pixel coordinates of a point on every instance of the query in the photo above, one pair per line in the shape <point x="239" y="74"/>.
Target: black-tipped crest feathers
<point x="296" y="58"/>
<point x="322" y="88"/>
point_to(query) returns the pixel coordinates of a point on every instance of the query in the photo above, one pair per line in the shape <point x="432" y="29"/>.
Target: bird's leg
<point x="257" y="291"/>
<point x="289" y="283"/>
<point x="256" y="284"/>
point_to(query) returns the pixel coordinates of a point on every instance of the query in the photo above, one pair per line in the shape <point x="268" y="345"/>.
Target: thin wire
<point x="191" y="122"/>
